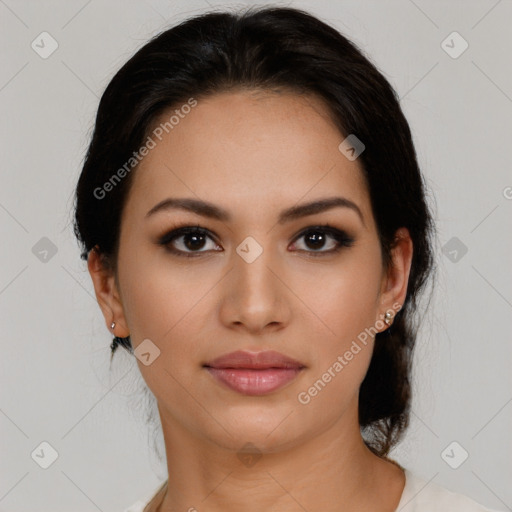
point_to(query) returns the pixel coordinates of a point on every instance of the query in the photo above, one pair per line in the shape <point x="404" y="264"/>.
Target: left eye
<point x="323" y="240"/>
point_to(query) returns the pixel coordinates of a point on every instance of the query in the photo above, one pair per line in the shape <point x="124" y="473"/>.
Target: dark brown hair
<point x="275" y="48"/>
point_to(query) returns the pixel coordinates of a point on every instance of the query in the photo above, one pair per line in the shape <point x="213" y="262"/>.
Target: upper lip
<point x="254" y="360"/>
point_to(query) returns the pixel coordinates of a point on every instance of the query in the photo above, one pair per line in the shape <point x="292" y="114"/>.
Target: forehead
<point x="250" y="149"/>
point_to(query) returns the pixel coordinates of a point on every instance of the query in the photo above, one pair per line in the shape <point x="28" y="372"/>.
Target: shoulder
<point x="141" y="504"/>
<point x="420" y="495"/>
<point x="138" y="506"/>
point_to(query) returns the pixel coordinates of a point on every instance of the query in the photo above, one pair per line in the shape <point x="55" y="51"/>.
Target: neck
<point x="329" y="469"/>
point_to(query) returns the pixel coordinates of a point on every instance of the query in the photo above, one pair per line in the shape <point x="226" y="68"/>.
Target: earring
<point x="116" y="341"/>
<point x="387" y="318"/>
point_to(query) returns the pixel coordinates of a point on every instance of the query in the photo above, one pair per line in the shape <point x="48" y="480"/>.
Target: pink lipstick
<point x="254" y="373"/>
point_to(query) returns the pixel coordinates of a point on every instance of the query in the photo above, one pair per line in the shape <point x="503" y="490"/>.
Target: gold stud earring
<point x="388" y="318"/>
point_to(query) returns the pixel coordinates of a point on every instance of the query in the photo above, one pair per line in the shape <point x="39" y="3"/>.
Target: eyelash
<point x="342" y="238"/>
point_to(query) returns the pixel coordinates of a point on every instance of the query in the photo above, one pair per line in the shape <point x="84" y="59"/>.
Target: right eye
<point x="188" y="241"/>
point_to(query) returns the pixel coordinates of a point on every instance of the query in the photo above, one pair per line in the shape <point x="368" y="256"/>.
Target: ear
<point x="107" y="293"/>
<point x="395" y="279"/>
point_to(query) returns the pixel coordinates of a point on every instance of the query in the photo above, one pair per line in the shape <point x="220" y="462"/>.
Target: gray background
<point x="56" y="383"/>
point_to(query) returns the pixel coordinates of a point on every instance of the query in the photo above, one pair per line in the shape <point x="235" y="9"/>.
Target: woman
<point x="255" y="226"/>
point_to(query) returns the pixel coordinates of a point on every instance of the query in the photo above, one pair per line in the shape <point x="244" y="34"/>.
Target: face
<point x="247" y="266"/>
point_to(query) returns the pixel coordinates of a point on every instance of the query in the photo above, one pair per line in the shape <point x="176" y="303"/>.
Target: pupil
<point x="194" y="241"/>
<point x="317" y="240"/>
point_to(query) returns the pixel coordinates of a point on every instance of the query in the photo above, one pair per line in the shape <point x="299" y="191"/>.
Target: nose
<point x="254" y="297"/>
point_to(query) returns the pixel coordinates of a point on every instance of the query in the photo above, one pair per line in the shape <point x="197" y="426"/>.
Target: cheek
<point x="171" y="306"/>
<point x="342" y="354"/>
<point x="343" y="299"/>
<point x="167" y="306"/>
<point x="158" y="294"/>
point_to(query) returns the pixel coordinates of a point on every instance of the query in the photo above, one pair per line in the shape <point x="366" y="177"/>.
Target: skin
<point x="256" y="154"/>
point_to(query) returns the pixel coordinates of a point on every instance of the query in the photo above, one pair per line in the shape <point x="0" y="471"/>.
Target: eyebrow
<point x="212" y="211"/>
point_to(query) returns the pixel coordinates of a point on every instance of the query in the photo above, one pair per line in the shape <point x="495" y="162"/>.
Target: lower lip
<point x="254" y="382"/>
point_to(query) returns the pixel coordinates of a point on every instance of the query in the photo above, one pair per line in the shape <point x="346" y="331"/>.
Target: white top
<point x="418" y="496"/>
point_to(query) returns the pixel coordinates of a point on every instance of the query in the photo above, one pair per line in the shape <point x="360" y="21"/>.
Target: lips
<point x="254" y="360"/>
<point x="254" y="373"/>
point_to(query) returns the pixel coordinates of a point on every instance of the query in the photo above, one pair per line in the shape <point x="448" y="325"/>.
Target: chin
<point x="268" y="431"/>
